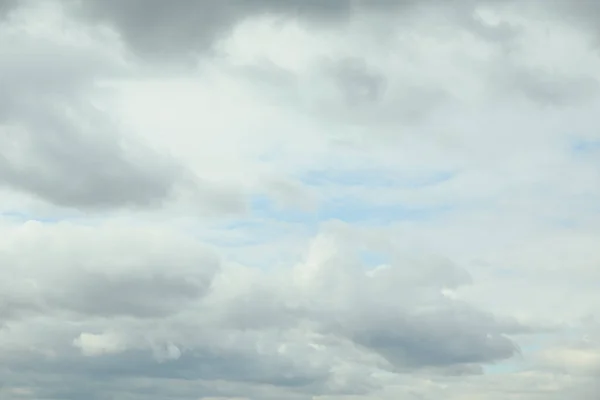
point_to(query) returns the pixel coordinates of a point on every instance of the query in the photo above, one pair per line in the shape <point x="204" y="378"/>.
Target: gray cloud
<point x="580" y="14"/>
<point x="349" y="91"/>
<point x="364" y="95"/>
<point x="446" y="337"/>
<point x="249" y="363"/>
<point x="549" y="89"/>
<point x="319" y="328"/>
<point x="51" y="158"/>
<point x="96" y="294"/>
<point x="210" y="365"/>
<point x="59" y="145"/>
<point x="132" y="310"/>
<point x="15" y="308"/>
<point x="155" y="28"/>
<point x="357" y="81"/>
<point x="6" y="6"/>
<point x="90" y="282"/>
<point x="378" y="312"/>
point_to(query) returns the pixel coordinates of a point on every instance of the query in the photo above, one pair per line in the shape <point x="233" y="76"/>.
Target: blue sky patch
<point x="24" y="217"/>
<point x="372" y="259"/>
<point x="349" y="210"/>
<point x="585" y="146"/>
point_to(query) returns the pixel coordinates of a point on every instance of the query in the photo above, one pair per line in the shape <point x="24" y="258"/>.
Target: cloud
<point x="309" y="329"/>
<point x="107" y="274"/>
<point x="58" y="143"/>
<point x="401" y="312"/>
<point x="93" y="345"/>
<point x="302" y="200"/>
<point x="187" y="26"/>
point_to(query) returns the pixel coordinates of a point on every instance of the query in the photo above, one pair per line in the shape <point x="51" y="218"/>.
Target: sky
<point x="303" y="200"/>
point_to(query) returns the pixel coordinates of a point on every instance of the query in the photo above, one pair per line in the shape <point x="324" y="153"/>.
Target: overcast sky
<point x="299" y="199"/>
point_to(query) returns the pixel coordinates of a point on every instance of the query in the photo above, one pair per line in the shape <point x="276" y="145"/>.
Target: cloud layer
<point x="299" y="199"/>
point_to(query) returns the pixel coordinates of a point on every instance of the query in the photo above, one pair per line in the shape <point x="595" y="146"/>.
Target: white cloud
<point x="97" y="344"/>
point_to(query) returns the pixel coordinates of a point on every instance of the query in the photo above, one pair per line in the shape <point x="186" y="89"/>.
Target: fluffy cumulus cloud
<point x="308" y="200"/>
